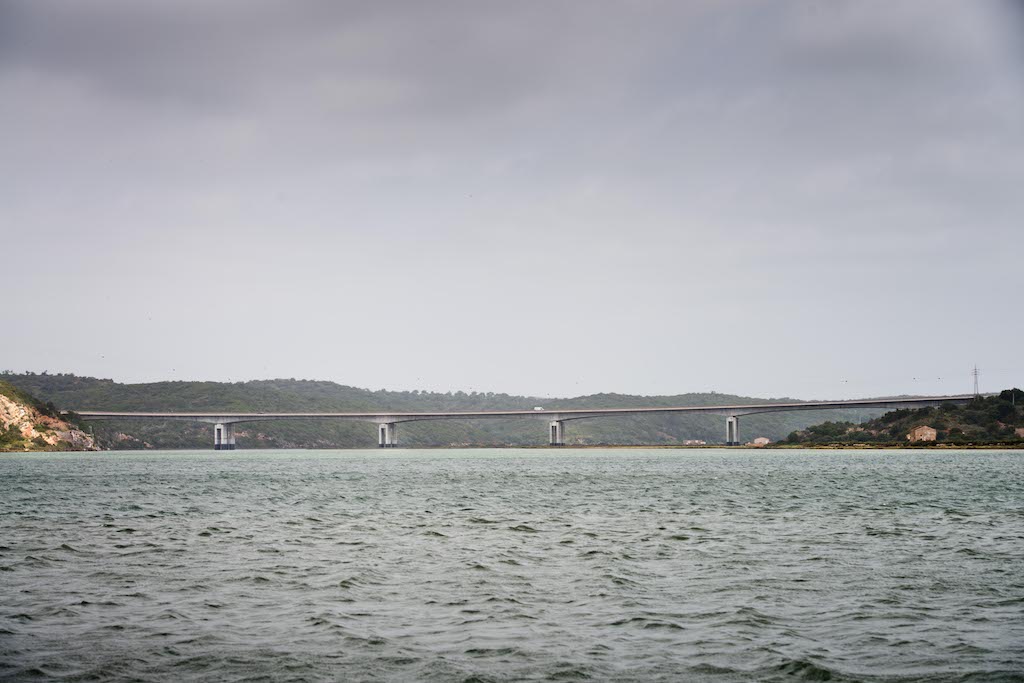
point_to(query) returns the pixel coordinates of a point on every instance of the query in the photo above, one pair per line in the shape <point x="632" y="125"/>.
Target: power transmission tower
<point x="975" y="373"/>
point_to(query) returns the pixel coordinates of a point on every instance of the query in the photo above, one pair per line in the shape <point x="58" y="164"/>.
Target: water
<point x="513" y="565"/>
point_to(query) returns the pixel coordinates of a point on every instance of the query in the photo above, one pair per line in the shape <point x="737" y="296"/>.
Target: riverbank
<point x="750" y="447"/>
<point x="29" y="425"/>
<point x="591" y="447"/>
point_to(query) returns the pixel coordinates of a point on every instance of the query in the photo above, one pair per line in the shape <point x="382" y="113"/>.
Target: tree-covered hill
<point x="986" y="420"/>
<point x="70" y="392"/>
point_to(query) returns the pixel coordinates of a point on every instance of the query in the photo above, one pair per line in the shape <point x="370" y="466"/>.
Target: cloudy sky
<point x="553" y="198"/>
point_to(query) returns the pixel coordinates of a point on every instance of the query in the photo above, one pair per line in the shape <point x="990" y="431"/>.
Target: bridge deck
<point x="554" y="414"/>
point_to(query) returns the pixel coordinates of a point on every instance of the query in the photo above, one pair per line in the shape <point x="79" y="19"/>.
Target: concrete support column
<point x="556" y="433"/>
<point x="387" y="435"/>
<point x="224" y="437"/>
<point x="732" y="431"/>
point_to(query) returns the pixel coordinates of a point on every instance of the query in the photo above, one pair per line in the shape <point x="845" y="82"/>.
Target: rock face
<point x="24" y="427"/>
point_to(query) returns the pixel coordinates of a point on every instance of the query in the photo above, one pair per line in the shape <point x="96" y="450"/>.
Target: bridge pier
<point x="556" y="431"/>
<point x="732" y="431"/>
<point x="224" y="436"/>
<point x="387" y="435"/>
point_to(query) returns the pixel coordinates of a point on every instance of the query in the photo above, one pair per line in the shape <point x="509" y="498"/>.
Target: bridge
<point x="387" y="434"/>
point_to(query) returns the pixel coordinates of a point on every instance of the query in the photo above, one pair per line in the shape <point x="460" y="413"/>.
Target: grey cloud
<point x="233" y="49"/>
<point x="659" y="176"/>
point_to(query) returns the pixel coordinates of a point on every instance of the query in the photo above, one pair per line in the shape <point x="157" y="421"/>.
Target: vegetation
<point x="290" y="395"/>
<point x="20" y="396"/>
<point x="11" y="437"/>
<point x="988" y="420"/>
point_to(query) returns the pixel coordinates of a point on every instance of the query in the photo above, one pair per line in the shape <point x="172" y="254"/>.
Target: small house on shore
<point x="922" y="433"/>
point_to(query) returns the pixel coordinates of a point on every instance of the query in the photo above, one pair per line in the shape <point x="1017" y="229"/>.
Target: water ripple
<point x="513" y="565"/>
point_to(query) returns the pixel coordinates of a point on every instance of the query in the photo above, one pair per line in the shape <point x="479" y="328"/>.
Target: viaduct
<point x="387" y="436"/>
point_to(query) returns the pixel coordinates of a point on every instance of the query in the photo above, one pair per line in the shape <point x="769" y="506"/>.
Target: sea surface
<point x="499" y="565"/>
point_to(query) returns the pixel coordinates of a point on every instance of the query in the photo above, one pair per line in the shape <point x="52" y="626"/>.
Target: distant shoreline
<point x="771" y="447"/>
<point x="782" y="446"/>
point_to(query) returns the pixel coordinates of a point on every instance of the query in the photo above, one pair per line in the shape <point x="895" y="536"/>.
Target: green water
<point x="513" y="565"/>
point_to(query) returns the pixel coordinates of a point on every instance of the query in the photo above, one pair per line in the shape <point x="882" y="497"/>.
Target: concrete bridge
<point x="387" y="435"/>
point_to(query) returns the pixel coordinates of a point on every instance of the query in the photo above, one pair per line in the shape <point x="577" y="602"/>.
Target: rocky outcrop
<point x="24" y="427"/>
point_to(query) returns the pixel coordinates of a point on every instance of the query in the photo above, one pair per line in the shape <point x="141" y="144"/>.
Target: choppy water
<point x="512" y="565"/>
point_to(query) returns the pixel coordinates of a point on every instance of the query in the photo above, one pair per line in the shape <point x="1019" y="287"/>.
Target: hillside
<point x="986" y="420"/>
<point x="27" y="424"/>
<point x="73" y="392"/>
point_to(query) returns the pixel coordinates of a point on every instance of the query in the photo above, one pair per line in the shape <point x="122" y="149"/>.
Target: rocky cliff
<point x="26" y="424"/>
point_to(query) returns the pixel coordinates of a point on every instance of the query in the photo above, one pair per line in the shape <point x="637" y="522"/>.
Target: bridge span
<point x="387" y="435"/>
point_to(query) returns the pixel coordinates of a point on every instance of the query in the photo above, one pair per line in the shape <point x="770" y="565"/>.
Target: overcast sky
<point x="800" y="199"/>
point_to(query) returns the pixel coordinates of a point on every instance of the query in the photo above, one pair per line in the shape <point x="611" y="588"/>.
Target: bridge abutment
<point x="224" y="437"/>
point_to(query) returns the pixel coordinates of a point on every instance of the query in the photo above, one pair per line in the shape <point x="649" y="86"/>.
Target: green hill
<point x="70" y="392"/>
<point x="988" y="420"/>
